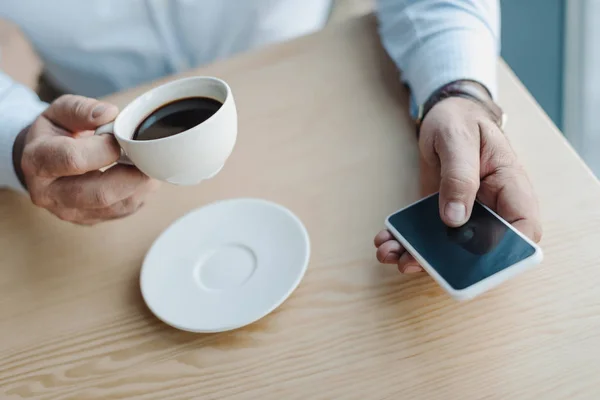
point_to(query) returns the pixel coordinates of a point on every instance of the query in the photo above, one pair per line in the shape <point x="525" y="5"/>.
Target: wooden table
<point x="324" y="131"/>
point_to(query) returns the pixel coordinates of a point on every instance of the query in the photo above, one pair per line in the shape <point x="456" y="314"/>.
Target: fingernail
<point x="98" y="111"/>
<point x="455" y="212"/>
<point x="411" y="269"/>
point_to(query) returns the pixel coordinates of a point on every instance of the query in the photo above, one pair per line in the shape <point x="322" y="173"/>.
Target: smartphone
<point x="465" y="261"/>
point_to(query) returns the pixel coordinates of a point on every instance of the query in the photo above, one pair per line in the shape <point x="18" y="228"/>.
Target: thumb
<point x="429" y="177"/>
<point x="459" y="162"/>
<point x="78" y="113"/>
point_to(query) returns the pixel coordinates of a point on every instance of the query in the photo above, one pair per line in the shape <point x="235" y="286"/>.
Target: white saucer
<point x="225" y="265"/>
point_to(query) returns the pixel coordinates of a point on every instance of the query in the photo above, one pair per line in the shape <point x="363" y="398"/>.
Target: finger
<point x="510" y="194"/>
<point x="389" y="252"/>
<point x="505" y="186"/>
<point x="459" y="166"/>
<point x="429" y="177"/>
<point x="530" y="228"/>
<point x="382" y="237"/>
<point x="78" y="113"/>
<point x="118" y="210"/>
<point x="121" y="209"/>
<point x="58" y="156"/>
<point x="408" y="265"/>
<point x="100" y="189"/>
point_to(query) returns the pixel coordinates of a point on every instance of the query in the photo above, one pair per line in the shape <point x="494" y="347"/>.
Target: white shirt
<point x="96" y="47"/>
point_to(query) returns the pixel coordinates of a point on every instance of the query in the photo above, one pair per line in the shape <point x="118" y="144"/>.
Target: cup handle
<point x="110" y="130"/>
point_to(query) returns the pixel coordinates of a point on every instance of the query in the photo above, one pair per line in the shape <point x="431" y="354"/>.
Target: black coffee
<point x="176" y="117"/>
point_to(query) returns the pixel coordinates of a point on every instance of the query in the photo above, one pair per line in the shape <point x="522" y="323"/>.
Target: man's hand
<point x="58" y="158"/>
<point x="465" y="155"/>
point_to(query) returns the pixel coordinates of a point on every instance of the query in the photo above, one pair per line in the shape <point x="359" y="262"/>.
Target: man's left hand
<point x="465" y="155"/>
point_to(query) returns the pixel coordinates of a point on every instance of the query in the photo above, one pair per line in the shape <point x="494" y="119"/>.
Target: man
<point x="446" y="50"/>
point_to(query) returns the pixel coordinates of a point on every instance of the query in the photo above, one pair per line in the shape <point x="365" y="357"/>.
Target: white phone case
<point x="484" y="284"/>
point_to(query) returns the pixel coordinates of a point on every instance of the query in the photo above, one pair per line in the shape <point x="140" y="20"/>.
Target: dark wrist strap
<point x="468" y="90"/>
<point x="17" y="154"/>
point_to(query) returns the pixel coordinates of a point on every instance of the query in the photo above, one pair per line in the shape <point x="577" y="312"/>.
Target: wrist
<point x="17" y="155"/>
<point x="467" y="89"/>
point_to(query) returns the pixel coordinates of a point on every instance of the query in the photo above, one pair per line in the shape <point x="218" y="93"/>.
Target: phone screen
<point x="462" y="256"/>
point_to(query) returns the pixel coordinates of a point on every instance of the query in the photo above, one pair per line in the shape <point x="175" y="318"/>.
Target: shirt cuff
<point x="457" y="57"/>
<point x="13" y="118"/>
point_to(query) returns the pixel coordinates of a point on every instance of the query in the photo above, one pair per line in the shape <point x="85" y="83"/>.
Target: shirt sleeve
<point x="19" y="106"/>
<point x="435" y="42"/>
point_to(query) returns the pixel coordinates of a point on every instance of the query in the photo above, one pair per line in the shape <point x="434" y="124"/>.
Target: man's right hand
<point x="58" y="158"/>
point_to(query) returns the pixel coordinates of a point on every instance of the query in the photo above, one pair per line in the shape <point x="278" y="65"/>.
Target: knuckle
<point x="505" y="157"/>
<point x="40" y="199"/>
<point x="489" y="127"/>
<point x="101" y="198"/>
<point x="67" y="215"/>
<point x="380" y="255"/>
<point x="38" y="128"/>
<point x="71" y="159"/>
<point x="75" y="107"/>
<point x="138" y="206"/>
<point x="125" y="206"/>
<point x="28" y="161"/>
<point x="130" y="205"/>
<point x="497" y="150"/>
<point x="73" y="192"/>
<point x="34" y="157"/>
<point x="53" y="157"/>
<point x="511" y="172"/>
<point x="81" y="109"/>
<point x="461" y="182"/>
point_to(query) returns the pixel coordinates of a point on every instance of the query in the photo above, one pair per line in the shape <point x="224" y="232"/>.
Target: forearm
<point x="19" y="106"/>
<point x="434" y="42"/>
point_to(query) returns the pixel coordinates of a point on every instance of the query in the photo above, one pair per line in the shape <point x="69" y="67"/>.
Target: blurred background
<point x="552" y="45"/>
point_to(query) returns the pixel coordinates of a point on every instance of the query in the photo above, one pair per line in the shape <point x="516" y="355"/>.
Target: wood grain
<point x="324" y="131"/>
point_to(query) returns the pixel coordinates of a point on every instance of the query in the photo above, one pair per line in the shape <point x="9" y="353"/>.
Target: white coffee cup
<point x="188" y="157"/>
